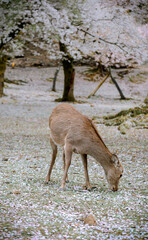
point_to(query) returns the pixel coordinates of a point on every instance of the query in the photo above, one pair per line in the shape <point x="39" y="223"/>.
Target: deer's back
<point x="66" y="122"/>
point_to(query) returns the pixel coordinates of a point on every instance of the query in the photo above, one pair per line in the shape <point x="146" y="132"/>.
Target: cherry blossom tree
<point x="69" y="30"/>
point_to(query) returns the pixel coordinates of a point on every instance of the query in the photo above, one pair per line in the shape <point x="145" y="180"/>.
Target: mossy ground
<point x="138" y="117"/>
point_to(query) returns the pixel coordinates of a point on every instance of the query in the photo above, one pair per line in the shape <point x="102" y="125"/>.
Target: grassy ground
<point x="30" y="209"/>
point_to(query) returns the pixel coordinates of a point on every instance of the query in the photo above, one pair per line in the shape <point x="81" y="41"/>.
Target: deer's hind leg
<point x="68" y="155"/>
<point x="67" y="180"/>
<point x="54" y="154"/>
<point x="84" y="160"/>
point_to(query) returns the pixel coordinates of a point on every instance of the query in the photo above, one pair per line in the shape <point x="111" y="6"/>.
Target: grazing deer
<point x="77" y="133"/>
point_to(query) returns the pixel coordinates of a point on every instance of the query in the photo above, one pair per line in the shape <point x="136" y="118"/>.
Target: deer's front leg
<point x="68" y="155"/>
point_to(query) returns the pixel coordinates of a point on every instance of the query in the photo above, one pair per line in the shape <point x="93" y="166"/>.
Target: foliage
<point x="14" y="15"/>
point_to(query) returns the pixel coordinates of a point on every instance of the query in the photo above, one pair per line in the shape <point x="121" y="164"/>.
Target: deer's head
<point x="114" y="173"/>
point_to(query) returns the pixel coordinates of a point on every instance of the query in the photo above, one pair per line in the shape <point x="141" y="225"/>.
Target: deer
<point x="77" y="133"/>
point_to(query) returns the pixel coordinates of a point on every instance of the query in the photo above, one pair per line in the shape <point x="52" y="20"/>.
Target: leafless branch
<point x="102" y="39"/>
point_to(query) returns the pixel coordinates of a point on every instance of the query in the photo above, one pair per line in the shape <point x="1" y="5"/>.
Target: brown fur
<point x="77" y="133"/>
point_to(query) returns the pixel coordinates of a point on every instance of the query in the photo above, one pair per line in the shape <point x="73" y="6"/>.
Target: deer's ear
<point x="114" y="159"/>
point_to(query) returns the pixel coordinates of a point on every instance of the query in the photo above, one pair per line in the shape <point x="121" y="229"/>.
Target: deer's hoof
<point x="46" y="182"/>
<point x="67" y="181"/>
<point x="92" y="189"/>
<point x="61" y="189"/>
<point x="89" y="188"/>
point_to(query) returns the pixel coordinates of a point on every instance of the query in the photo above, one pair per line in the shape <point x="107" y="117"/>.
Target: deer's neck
<point x="101" y="153"/>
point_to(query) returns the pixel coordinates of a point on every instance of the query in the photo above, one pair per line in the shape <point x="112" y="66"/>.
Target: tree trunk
<point x="55" y="78"/>
<point x="69" y="75"/>
<point x="3" y="61"/>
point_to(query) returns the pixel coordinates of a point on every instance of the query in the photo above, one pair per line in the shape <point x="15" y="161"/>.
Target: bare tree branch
<point x="100" y="84"/>
<point x="102" y="39"/>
